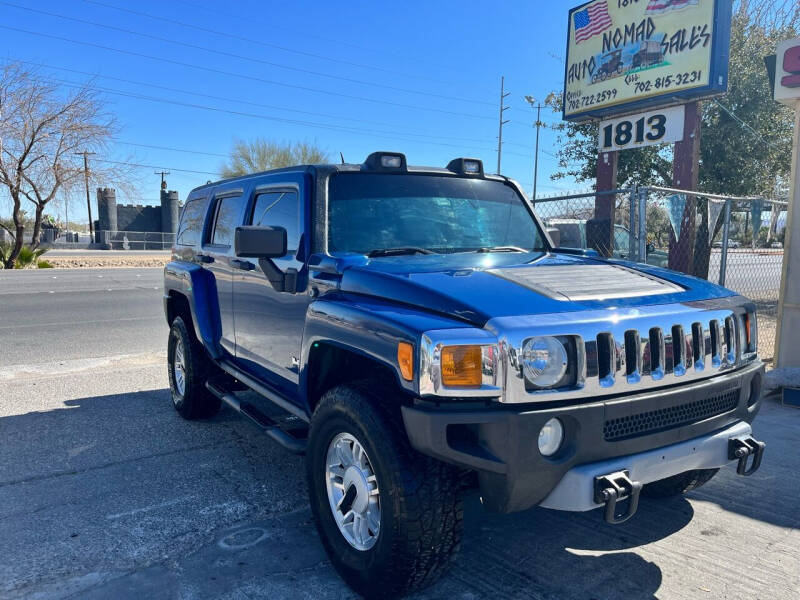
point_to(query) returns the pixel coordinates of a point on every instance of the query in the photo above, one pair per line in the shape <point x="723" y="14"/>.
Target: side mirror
<point x="260" y="242"/>
<point x="651" y="247"/>
<point x="555" y="235"/>
<point x="266" y="243"/>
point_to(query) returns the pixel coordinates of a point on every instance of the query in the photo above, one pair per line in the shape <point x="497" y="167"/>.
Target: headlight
<point x="544" y="361"/>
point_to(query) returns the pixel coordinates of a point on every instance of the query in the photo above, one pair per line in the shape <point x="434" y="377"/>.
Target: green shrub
<point x="28" y="257"/>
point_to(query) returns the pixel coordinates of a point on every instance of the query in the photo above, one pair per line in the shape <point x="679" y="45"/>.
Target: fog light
<point x="550" y="437"/>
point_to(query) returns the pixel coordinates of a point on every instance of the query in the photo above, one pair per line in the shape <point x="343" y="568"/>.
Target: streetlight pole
<point x="532" y="101"/>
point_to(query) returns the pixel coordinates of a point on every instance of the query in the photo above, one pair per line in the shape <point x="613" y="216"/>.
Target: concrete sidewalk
<point x="106" y="493"/>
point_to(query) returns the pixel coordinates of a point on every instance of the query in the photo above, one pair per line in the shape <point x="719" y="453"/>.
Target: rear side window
<point x="191" y="222"/>
<point x="279" y="209"/>
<point x="226" y="220"/>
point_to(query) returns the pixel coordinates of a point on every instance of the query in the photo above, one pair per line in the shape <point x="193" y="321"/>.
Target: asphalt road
<point x="51" y="316"/>
<point x="106" y="493"/>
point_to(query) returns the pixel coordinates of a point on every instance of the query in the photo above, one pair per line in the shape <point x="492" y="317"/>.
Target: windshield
<point x="369" y="212"/>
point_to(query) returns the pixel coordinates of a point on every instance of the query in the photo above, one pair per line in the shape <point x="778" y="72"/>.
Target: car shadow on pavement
<point x="553" y="554"/>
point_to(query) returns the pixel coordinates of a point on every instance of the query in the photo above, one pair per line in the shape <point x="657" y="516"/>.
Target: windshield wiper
<point x="398" y="251"/>
<point x="502" y="249"/>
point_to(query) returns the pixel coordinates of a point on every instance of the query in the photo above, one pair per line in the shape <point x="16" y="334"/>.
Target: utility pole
<point x="503" y="109"/>
<point x="85" y="155"/>
<point x="163" y="181"/>
<point x="532" y="101"/>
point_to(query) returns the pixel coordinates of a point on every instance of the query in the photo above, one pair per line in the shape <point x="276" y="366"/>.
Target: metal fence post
<point x="642" y="214"/>
<point x="723" y="262"/>
<point x="633" y="229"/>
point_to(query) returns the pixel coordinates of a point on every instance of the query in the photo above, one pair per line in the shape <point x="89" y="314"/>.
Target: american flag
<point x="657" y="7"/>
<point x="591" y="20"/>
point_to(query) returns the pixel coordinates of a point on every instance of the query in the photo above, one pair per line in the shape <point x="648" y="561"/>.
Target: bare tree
<point x="261" y="154"/>
<point x="42" y="128"/>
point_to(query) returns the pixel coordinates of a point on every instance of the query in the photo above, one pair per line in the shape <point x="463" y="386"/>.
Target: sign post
<point x="787" y="91"/>
<point x="685" y="166"/>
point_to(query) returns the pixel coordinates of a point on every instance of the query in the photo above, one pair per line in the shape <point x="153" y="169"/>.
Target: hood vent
<point x="587" y="282"/>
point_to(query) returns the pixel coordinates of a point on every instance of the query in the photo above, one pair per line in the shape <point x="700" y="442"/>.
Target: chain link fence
<point x="734" y="241"/>
<point x="135" y="240"/>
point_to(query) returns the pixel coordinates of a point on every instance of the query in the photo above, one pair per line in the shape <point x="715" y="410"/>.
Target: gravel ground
<point x="110" y="261"/>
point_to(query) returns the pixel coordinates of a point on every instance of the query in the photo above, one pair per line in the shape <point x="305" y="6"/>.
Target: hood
<point x="478" y="287"/>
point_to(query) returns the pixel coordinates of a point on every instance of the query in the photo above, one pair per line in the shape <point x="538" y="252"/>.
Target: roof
<point x="342" y="167"/>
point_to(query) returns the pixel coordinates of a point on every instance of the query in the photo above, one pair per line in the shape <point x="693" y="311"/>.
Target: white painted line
<point x="150" y="508"/>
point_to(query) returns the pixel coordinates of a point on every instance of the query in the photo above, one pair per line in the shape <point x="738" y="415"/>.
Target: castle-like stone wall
<point x="136" y="217"/>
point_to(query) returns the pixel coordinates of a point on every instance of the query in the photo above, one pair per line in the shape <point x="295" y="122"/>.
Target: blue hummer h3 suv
<point x="416" y="330"/>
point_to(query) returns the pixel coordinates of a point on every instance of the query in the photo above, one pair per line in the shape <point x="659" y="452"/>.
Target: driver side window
<point x="279" y="209"/>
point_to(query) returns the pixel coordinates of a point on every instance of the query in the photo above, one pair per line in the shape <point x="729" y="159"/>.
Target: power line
<point x="244" y="57"/>
<point x="747" y="125"/>
<point x="263" y="43"/>
<point x="240" y="101"/>
<point x="185" y="150"/>
<point x="133" y="164"/>
<point x="351" y="130"/>
<point x="242" y="75"/>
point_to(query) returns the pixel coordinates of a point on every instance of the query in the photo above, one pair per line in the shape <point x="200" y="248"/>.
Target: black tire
<point x="678" y="484"/>
<point x="195" y="401"/>
<point x="421" y="514"/>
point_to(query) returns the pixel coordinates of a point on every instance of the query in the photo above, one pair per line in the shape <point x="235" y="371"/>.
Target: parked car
<point x="776" y="245"/>
<point x="573" y="235"/>
<point x="414" y="331"/>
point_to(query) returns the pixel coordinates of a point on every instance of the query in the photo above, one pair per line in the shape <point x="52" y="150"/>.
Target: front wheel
<point x="189" y="368"/>
<point x="389" y="517"/>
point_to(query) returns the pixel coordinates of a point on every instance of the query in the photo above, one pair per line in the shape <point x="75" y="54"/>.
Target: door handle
<point x="203" y="258"/>
<point x="243" y="265"/>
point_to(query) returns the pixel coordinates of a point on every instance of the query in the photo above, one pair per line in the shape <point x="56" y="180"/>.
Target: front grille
<point x="662" y="419"/>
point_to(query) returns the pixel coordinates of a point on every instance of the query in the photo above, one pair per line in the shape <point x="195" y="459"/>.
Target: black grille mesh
<point x="662" y="419"/>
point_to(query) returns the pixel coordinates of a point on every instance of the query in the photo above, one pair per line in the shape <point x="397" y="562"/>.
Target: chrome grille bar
<point x="634" y="351"/>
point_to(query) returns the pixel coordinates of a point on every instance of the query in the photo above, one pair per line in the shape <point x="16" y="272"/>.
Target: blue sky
<point x="422" y="78"/>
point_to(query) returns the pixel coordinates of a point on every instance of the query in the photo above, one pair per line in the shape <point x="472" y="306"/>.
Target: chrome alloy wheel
<point x="179" y="367"/>
<point x="353" y="491"/>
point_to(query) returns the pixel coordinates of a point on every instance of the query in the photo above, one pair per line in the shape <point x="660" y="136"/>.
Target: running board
<point x="263" y="390"/>
<point x="267" y="425"/>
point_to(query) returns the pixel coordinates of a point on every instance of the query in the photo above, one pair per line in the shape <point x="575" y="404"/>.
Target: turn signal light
<point x="747" y="331"/>
<point x="405" y="359"/>
<point x="461" y="366"/>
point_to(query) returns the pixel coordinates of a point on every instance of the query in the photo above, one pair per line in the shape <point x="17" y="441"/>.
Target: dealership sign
<point x="624" y="55"/>
<point x="787" y="72"/>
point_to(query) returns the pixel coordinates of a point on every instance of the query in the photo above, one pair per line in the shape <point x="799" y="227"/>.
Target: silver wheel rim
<point x="353" y="491"/>
<point x="179" y="367"/>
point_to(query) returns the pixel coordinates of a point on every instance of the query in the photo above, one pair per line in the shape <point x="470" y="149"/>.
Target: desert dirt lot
<point x="106" y="493"/>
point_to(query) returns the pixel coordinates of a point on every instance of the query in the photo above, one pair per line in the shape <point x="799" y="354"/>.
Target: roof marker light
<point x="389" y="161"/>
<point x="472" y="166"/>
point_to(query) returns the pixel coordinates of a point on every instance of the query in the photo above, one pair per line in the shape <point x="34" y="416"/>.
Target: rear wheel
<point x="189" y="368"/>
<point x="389" y="517"/>
<point x="678" y="484"/>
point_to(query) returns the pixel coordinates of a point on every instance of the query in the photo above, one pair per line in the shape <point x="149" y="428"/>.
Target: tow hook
<point x="615" y="487"/>
<point x="742" y="449"/>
